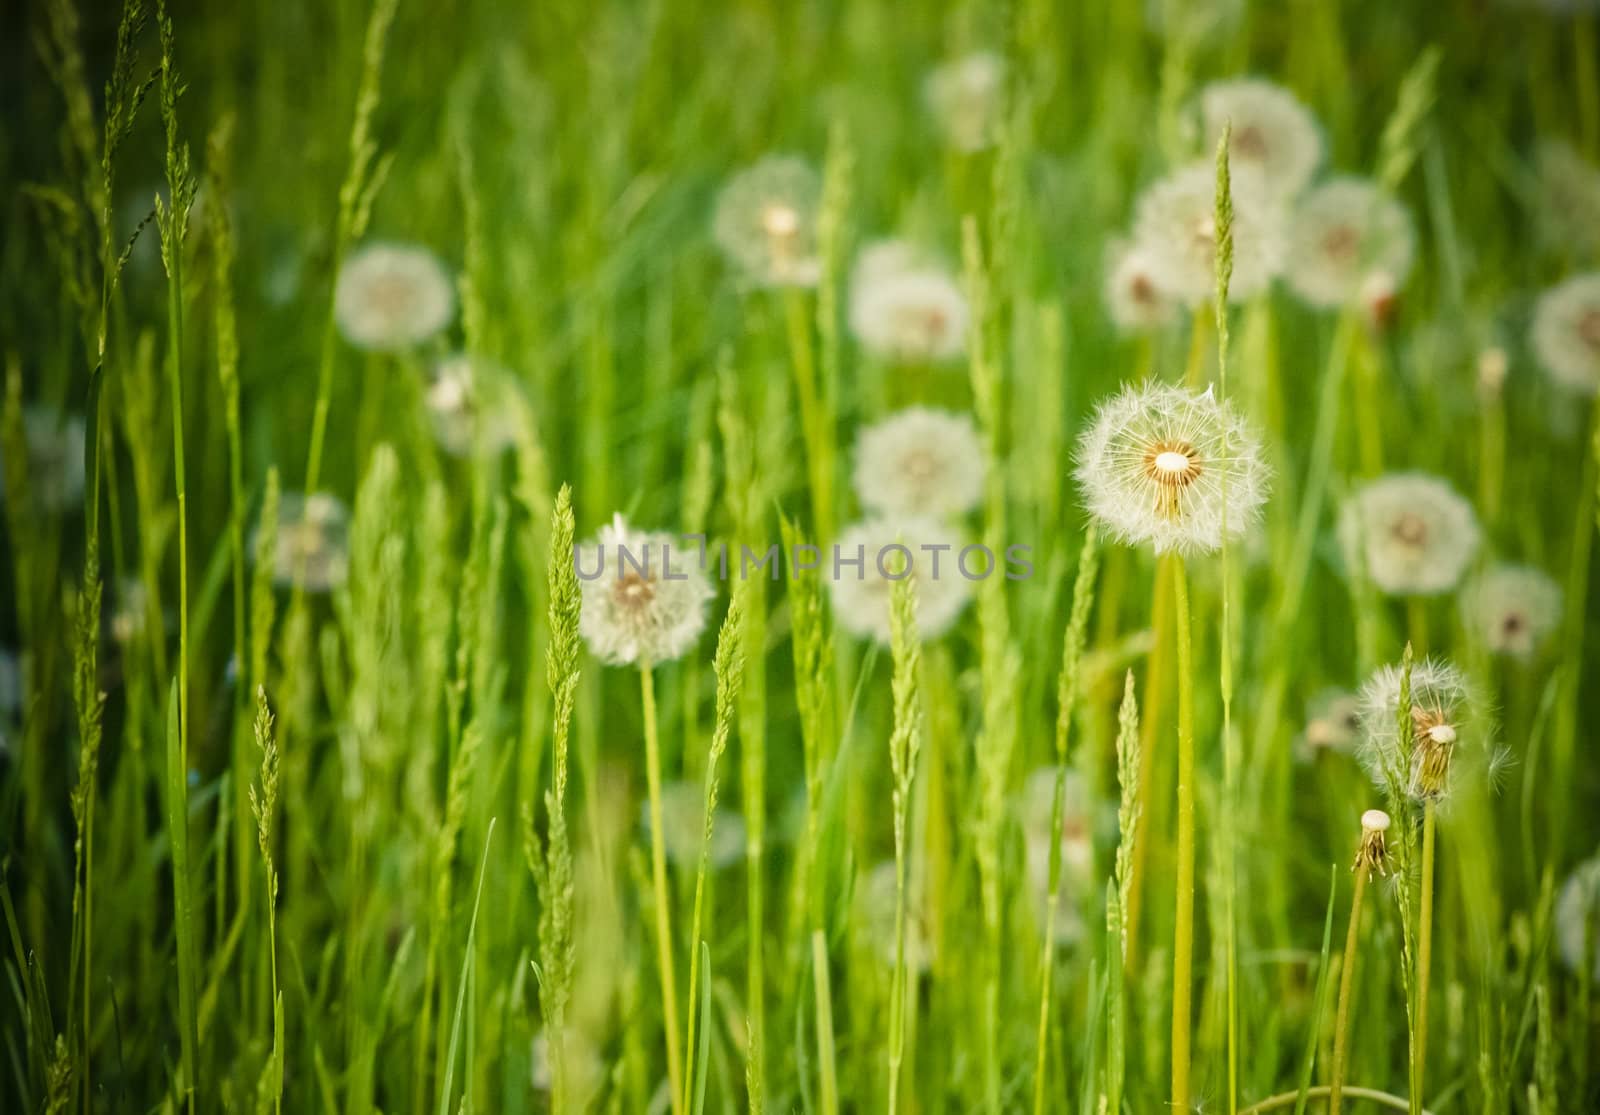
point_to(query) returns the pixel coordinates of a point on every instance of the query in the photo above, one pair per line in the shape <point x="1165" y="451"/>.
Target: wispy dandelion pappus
<point x="920" y="461"/>
<point x="644" y="595"/>
<point x="861" y="589"/>
<point x="1568" y="198"/>
<point x="967" y="98"/>
<point x="1566" y="333"/>
<point x="1164" y="467"/>
<point x="392" y="297"/>
<point x="312" y="544"/>
<point x="875" y="906"/>
<point x="1349" y="240"/>
<point x="1175" y="227"/>
<point x="1333" y="723"/>
<point x="1512" y="609"/>
<point x="1437" y="725"/>
<point x="1413" y="534"/>
<point x="1274" y="135"/>
<point x="766" y="222"/>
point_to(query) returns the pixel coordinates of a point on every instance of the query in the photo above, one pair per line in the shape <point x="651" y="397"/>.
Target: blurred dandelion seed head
<point x="1577" y="918"/>
<point x="861" y="604"/>
<point x="967" y="98"/>
<point x="1274" y="135"/>
<point x="683" y="826"/>
<point x="1566" y="333"/>
<point x="1512" y="609"/>
<point x="1133" y="292"/>
<point x="1333" y="723"/>
<point x="766" y="222"/>
<point x="1348" y="240"/>
<point x="875" y="897"/>
<point x="465" y="401"/>
<point x="392" y="297"/>
<point x="905" y="310"/>
<point x="312" y="542"/>
<point x="647" y="603"/>
<point x="1163" y="466"/>
<point x="1175" y="227"/>
<point x="1413" y="534"/>
<point x="55" y="447"/>
<point x="920" y="461"/>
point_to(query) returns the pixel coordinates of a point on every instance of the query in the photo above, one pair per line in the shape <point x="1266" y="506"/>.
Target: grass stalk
<point x="1341" y="1024"/>
<point x="1183" y="924"/>
<point x="1424" y="957"/>
<point x="658" y="875"/>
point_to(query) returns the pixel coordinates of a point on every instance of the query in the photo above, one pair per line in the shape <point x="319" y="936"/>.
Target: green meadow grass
<point x="386" y="848"/>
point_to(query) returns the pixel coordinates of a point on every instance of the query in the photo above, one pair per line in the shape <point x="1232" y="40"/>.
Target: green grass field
<point x="1250" y="427"/>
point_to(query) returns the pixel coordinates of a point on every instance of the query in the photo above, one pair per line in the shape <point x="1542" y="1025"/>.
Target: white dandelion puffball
<point x="1077" y="845"/>
<point x="1578" y="918"/>
<point x="132" y="609"/>
<point x="683" y="826"/>
<point x="910" y="316"/>
<point x="313" y="542"/>
<point x="967" y="98"/>
<point x="55" y="447"/>
<point x="1165" y="467"/>
<point x="920" y="461"/>
<point x="1512" y="608"/>
<point x="1175" y="224"/>
<point x="1273" y="135"/>
<point x="468" y="404"/>
<point x="392" y="297"/>
<point x="1347" y="239"/>
<point x="875" y="912"/>
<point x="766" y="222"/>
<point x="1436" y="723"/>
<point x="644" y="595"/>
<point x="869" y="556"/>
<point x="883" y="258"/>
<point x="1134" y="296"/>
<point x="1333" y="723"/>
<point x="1413" y="533"/>
<point x="1566" y="333"/>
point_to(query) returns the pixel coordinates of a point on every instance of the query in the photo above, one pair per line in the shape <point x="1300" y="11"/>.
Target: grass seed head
<point x="1274" y="135"/>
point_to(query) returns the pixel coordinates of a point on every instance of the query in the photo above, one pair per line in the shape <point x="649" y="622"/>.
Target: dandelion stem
<point x="1183" y="922"/>
<point x="1155" y="691"/>
<point x="658" y="872"/>
<point x="1419" y="1053"/>
<point x="1341" y="1023"/>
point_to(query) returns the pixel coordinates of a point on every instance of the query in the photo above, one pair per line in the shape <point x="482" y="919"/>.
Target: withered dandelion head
<point x="1436" y="722"/>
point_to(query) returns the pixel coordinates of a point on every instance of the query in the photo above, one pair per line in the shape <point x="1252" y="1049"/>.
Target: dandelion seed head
<point x="1566" y="333"/>
<point x="861" y="603"/>
<point x="765" y="222"/>
<point x="1273" y="134"/>
<point x="1076" y="839"/>
<point x="1577" y="918"/>
<point x="466" y="402"/>
<point x="1176" y="230"/>
<point x="683" y="826"/>
<point x="1165" y="467"/>
<point x="875" y="898"/>
<point x="55" y="446"/>
<point x="312" y="542"/>
<point x="1375" y="820"/>
<point x="1413" y="533"/>
<point x="644" y="595"/>
<point x="967" y="98"/>
<point x="908" y="314"/>
<point x="133" y="606"/>
<point x="1373" y="852"/>
<point x="1512" y="609"/>
<point x="1349" y="240"/>
<point x="1133" y="293"/>
<point x="1438" y="716"/>
<point x="1568" y="198"/>
<point x="1333" y="723"/>
<point x="920" y="461"/>
<point x="392" y="297"/>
